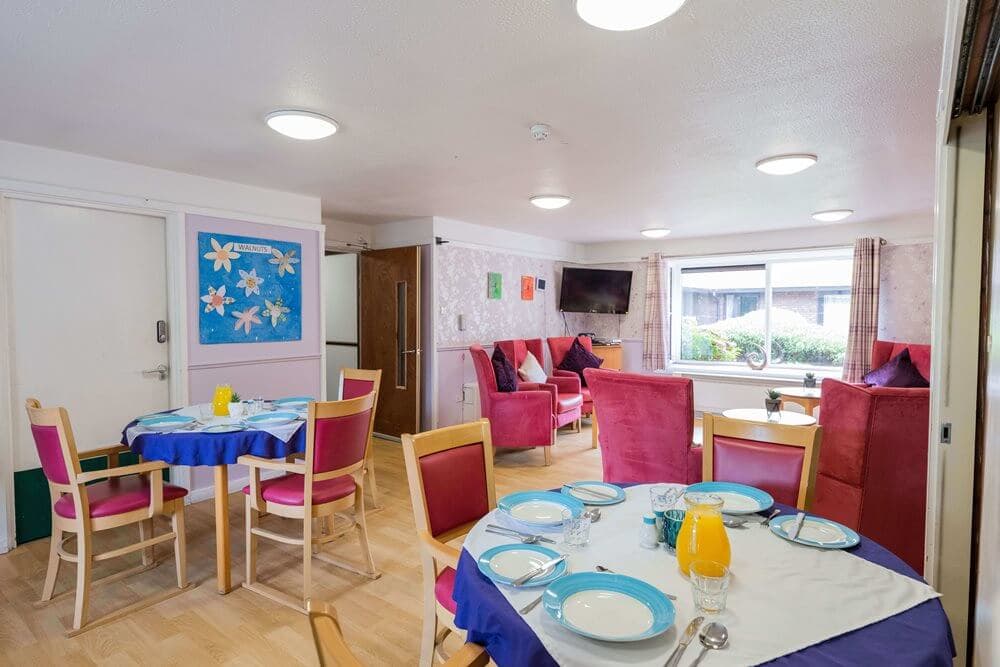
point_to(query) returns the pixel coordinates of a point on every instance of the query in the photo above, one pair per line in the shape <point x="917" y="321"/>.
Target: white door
<point x="88" y="288"/>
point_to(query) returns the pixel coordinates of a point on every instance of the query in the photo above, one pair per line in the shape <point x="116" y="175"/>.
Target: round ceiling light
<point x="655" y="232"/>
<point x="631" y="15"/>
<point x="784" y="165"/>
<point x="298" y="124"/>
<point x="550" y="202"/>
<point x="835" y="215"/>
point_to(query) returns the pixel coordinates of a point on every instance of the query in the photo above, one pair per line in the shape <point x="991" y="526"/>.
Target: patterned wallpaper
<point x="905" y="288"/>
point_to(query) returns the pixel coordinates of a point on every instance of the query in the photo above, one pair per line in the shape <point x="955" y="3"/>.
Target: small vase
<point x="809" y="383"/>
<point x="772" y="406"/>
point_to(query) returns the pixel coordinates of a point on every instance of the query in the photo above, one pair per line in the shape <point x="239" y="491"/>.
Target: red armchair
<point x="920" y="355"/>
<point x="558" y="347"/>
<point x="518" y="419"/>
<point x="569" y="397"/>
<point x="647" y="423"/>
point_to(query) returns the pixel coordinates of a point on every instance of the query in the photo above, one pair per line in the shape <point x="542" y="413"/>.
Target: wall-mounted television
<point x="595" y="291"/>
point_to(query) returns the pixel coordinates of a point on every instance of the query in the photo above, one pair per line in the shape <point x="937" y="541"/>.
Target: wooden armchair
<point x="355" y="382"/>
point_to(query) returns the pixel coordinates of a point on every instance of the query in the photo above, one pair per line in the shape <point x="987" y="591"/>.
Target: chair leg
<point x="146" y="533"/>
<point x="548" y="455"/>
<point x="429" y="635"/>
<point x="370" y="476"/>
<point x="54" y="561"/>
<point x="252" y="518"/>
<point x="180" y="544"/>
<point x="359" y="517"/>
<point x="84" y="555"/>
<point x="307" y="548"/>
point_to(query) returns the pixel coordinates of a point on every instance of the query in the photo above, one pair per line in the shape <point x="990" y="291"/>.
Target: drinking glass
<point x="672" y="522"/>
<point x="710" y="586"/>
<point x="576" y="531"/>
<point x="207" y="411"/>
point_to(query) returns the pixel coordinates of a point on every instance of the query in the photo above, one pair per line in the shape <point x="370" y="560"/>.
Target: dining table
<point x="808" y="397"/>
<point x="196" y="448"/>
<point x="785" y="417"/>
<point x="881" y="614"/>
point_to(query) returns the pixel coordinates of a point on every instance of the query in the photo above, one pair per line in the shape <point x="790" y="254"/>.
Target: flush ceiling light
<point x="832" y="216"/>
<point x="655" y="232"/>
<point x="550" y="202"/>
<point x="783" y="165"/>
<point x="631" y="15"/>
<point x="298" y="124"/>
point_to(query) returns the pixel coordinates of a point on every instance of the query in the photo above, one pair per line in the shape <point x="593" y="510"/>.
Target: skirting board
<point x="235" y="485"/>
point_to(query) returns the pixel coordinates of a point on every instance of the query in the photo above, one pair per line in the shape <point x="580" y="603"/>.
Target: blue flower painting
<point x="250" y="290"/>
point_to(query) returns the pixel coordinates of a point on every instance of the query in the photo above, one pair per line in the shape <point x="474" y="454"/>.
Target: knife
<point x="686" y="638"/>
<point x="523" y="579"/>
<point x="797" y="527"/>
<point x="594" y="492"/>
<point x="511" y="531"/>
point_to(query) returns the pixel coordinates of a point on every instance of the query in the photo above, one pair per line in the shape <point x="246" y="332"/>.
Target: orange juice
<point x="702" y="535"/>
<point x="220" y="402"/>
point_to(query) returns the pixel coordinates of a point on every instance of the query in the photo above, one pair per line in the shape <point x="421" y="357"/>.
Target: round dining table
<point x="784" y="417"/>
<point x="919" y="635"/>
<point x="808" y="397"/>
<point x="218" y="451"/>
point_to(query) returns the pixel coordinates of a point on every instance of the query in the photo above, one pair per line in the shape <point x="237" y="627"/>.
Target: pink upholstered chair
<point x="558" y="347"/>
<point x="777" y="458"/>
<point x="356" y="382"/>
<point x="569" y="397"/>
<point x="328" y="481"/>
<point x="647" y="424"/>
<point x="82" y="506"/>
<point x="450" y="471"/>
<point x="518" y="419"/>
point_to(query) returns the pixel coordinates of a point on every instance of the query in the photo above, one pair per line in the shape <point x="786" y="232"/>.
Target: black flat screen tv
<point x="595" y="291"/>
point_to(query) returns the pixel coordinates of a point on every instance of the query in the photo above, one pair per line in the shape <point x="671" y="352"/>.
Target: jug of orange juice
<point x="702" y="535"/>
<point x="220" y="402"/>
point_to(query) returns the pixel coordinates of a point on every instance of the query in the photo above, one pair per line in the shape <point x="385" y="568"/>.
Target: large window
<point x="790" y="311"/>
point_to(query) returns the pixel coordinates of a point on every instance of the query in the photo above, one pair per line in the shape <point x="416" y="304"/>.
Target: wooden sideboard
<point x="612" y="355"/>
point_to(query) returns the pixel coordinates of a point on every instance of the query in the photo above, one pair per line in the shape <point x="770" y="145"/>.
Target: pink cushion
<point x="356" y="388"/>
<point x="117" y="496"/>
<point x="454" y="487"/>
<point x="291" y="489"/>
<point x="340" y="441"/>
<point x="774" y="468"/>
<point x="443" y="587"/>
<point x="567" y="402"/>
<point x="50" y="453"/>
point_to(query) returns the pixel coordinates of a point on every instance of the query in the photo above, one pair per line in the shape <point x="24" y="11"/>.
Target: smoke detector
<point x="540" y="131"/>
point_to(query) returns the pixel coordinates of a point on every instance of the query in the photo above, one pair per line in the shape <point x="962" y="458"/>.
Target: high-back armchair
<point x="569" y="397"/>
<point x="920" y="355"/>
<point x="558" y="347"/>
<point x="647" y="424"/>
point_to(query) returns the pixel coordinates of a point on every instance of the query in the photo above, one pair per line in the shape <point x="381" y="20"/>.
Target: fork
<point x="524" y="539"/>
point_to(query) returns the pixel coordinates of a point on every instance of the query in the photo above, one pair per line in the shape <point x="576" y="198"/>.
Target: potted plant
<point x="772" y="403"/>
<point x="809" y="382"/>
<point x="235" y="406"/>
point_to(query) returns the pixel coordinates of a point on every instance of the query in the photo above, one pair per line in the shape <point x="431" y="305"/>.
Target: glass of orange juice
<point x="220" y="401"/>
<point x="702" y="536"/>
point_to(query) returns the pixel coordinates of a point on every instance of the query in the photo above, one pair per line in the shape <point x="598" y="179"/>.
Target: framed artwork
<point x="494" y="285"/>
<point x="250" y="290"/>
<point x="527" y="288"/>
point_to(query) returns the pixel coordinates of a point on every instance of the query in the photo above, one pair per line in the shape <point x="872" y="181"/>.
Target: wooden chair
<point x="328" y="480"/>
<point x="332" y="650"/>
<point x="450" y="471"/>
<point x="777" y="458"/>
<point x="82" y="506"/>
<point x="355" y="382"/>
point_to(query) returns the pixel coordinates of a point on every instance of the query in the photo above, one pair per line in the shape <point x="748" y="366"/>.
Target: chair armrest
<point x="137" y="468"/>
<point x="439" y="551"/>
<point x="550" y="389"/>
<point x="566" y="385"/>
<point x="111" y="451"/>
<point x="271" y="464"/>
<point x="523" y="418"/>
<point x="558" y="372"/>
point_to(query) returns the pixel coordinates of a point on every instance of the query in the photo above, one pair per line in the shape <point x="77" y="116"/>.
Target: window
<point x="790" y="310"/>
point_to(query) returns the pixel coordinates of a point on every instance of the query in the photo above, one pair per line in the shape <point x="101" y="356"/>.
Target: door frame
<point x="177" y="343"/>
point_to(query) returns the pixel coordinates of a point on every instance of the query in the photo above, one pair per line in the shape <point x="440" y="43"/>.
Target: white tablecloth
<point x="283" y="433"/>
<point x="783" y="598"/>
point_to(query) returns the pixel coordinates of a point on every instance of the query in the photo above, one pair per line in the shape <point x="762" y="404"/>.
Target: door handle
<point x="416" y="351"/>
<point x="162" y="370"/>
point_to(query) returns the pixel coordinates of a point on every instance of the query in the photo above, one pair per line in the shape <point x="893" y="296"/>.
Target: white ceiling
<point x="660" y="126"/>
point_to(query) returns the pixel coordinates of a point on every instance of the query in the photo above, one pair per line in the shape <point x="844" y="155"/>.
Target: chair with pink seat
<point x="647" y="425"/>
<point x="328" y="481"/>
<point x="450" y="471"/>
<point x="82" y="506"/>
<point x="569" y="394"/>
<point x="558" y="347"/>
<point x="355" y="382"/>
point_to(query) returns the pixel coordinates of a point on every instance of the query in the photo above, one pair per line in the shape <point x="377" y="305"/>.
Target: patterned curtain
<point x="863" y="327"/>
<point x="655" y="330"/>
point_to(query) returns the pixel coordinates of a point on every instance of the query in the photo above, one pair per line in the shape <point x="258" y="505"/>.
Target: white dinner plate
<point x="538" y="511"/>
<point x="609" y="614"/>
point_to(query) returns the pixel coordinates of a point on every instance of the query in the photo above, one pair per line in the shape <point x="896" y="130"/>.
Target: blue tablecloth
<point x="212" y="449"/>
<point x="918" y="636"/>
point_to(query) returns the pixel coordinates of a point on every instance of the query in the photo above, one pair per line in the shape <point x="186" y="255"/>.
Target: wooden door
<point x="389" y="306"/>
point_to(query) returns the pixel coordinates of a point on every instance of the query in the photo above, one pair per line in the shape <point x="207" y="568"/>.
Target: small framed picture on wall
<point x="494" y="285"/>
<point x="527" y="288"/>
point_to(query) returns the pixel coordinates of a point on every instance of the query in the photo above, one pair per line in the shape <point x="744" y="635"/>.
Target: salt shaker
<point x="648" y="534"/>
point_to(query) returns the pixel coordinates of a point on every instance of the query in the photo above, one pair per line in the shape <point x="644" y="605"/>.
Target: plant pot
<point x="809" y="383"/>
<point x="772" y="406"/>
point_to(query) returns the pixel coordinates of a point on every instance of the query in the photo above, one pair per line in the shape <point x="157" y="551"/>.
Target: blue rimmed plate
<point x="266" y="419"/>
<point x="539" y="508"/>
<point x="165" y="423"/>
<point x="736" y="498"/>
<point x="507" y="562"/>
<point x="293" y="402"/>
<point x="816" y="532"/>
<point x="577" y="490"/>
<point x="609" y="607"/>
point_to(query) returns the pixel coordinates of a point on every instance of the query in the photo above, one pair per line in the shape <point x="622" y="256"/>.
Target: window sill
<point x="746" y="375"/>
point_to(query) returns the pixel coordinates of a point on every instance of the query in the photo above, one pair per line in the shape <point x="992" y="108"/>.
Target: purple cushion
<point x="577" y="358"/>
<point x="897" y="372"/>
<point x="504" y="372"/>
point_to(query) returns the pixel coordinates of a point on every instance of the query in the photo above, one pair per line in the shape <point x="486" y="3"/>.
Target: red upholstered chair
<point x="518" y="419"/>
<point x="82" y="506"/>
<point x="647" y="423"/>
<point x="873" y="468"/>
<point x="777" y="458"/>
<point x="558" y="347"/>
<point x="355" y="382"/>
<point x="569" y="397"/>
<point x="920" y="355"/>
<point x="450" y="471"/>
<point x="328" y="481"/>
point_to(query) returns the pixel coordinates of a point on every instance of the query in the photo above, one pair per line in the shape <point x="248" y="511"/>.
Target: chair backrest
<point x="450" y="471"/>
<point x="559" y="346"/>
<point x="777" y="458"/>
<point x="355" y="382"/>
<point x="338" y="434"/>
<point x="920" y="355"/>
<point x="54" y="443"/>
<point x="516" y="350"/>
<point x="646" y="425"/>
<point x="485" y="376"/>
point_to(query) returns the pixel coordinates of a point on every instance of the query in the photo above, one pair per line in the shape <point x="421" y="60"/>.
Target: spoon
<point x="594" y="513"/>
<point x="714" y="636"/>
<point x="766" y="522"/>
<point x="601" y="568"/>
<point x="733" y="522"/>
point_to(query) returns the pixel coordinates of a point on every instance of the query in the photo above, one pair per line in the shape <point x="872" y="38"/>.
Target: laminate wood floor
<point x="381" y="619"/>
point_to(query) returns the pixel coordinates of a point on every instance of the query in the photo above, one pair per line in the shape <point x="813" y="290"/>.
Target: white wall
<point x="340" y="300"/>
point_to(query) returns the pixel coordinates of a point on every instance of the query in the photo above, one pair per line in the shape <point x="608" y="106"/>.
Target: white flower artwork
<point x="284" y="261"/>
<point x="276" y="311"/>
<point x="250" y="282"/>
<point x="222" y="255"/>
<point x="217" y="300"/>
<point x="246" y="319"/>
